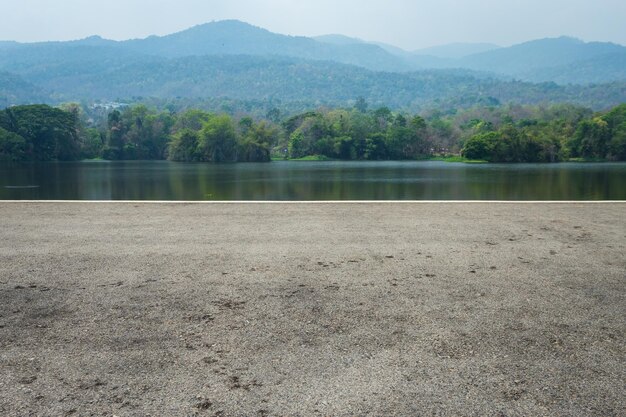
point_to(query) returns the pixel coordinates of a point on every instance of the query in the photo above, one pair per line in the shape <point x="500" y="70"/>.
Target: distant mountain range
<point x="237" y="60"/>
<point x="561" y="60"/>
<point x="449" y="51"/>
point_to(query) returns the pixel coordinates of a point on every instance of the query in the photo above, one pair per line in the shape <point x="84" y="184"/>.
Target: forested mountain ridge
<point x="236" y="60"/>
<point x="595" y="70"/>
<point x="457" y="50"/>
<point x="285" y="79"/>
<point x="533" y="56"/>
<point x="232" y="37"/>
<point x="14" y="89"/>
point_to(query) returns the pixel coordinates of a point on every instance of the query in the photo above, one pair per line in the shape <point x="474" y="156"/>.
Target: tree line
<point x="511" y="133"/>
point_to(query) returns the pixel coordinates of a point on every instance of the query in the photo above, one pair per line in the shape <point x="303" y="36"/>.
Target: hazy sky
<point x="410" y="24"/>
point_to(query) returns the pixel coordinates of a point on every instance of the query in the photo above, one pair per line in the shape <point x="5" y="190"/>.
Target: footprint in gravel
<point x="514" y="394"/>
<point x="235" y="382"/>
<point x="230" y="304"/>
<point x="115" y="284"/>
<point x="205" y="318"/>
<point x="86" y="385"/>
<point x="27" y="380"/>
<point x="204" y="404"/>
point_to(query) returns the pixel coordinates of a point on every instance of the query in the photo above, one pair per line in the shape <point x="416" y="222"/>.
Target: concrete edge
<point x="312" y="202"/>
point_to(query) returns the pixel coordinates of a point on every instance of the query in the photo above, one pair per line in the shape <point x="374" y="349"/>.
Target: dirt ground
<point x="461" y="309"/>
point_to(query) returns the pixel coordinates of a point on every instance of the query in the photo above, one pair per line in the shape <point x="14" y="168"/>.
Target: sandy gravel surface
<point x="304" y="310"/>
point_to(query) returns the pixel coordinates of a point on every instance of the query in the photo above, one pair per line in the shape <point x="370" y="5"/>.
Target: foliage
<point x="39" y="133"/>
<point x="511" y="133"/>
<point x="81" y="72"/>
<point x="13" y="147"/>
<point x="211" y="138"/>
<point x="602" y="137"/>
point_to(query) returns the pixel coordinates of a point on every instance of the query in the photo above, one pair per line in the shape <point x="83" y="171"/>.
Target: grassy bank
<point x="452" y="158"/>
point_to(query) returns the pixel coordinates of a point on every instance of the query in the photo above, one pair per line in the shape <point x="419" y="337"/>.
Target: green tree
<point x="184" y="146"/>
<point x="480" y="146"/>
<point x="255" y="145"/>
<point x="13" y="147"/>
<point x="218" y="140"/>
<point x="345" y="148"/>
<point x="297" y="145"/>
<point x="50" y="133"/>
<point x="591" y="139"/>
<point x="361" y="105"/>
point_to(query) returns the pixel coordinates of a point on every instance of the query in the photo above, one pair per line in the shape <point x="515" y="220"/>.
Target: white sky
<point x="410" y="24"/>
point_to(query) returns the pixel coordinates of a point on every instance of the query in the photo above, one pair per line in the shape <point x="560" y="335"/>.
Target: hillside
<point x="596" y="70"/>
<point x="236" y="60"/>
<point x="274" y="78"/>
<point x="232" y="37"/>
<point x="537" y="60"/>
<point x="457" y="50"/>
<point x="15" y="90"/>
<point x="562" y="60"/>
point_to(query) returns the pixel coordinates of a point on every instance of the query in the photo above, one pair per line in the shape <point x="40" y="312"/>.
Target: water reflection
<point x="312" y="181"/>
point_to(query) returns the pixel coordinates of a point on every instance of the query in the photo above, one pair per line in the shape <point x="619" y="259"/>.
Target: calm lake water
<point x="312" y="181"/>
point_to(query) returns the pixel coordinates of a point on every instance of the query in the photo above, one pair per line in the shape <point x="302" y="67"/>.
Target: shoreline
<point x="312" y="308"/>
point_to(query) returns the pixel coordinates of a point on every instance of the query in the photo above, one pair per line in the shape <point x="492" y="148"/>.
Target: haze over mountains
<point x="237" y="60"/>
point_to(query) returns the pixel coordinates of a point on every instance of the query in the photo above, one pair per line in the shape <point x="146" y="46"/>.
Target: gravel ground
<point x="132" y="309"/>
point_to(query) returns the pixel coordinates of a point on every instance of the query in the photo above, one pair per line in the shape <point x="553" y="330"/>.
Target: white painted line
<point x="316" y="202"/>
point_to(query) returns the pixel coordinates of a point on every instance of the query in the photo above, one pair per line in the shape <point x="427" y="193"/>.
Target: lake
<point x="294" y="180"/>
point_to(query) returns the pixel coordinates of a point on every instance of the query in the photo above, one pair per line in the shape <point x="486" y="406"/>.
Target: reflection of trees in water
<point x="161" y="180"/>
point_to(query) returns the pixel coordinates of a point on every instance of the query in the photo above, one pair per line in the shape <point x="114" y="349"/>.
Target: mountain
<point x="8" y="44"/>
<point x="232" y="37"/>
<point x="563" y="60"/>
<point x="540" y="60"/>
<point x="544" y="54"/>
<point x="240" y="61"/>
<point x="336" y="39"/>
<point x="596" y="70"/>
<point x="43" y="62"/>
<point x="15" y="90"/>
<point x="93" y="41"/>
<point x="457" y="50"/>
<point x="245" y="77"/>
